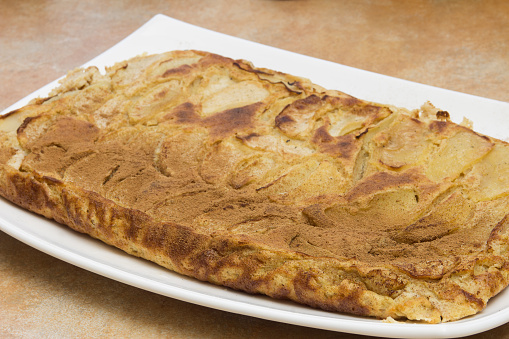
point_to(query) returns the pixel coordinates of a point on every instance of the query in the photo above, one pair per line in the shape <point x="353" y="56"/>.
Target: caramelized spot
<point x="322" y="136"/>
<point x="344" y="99"/>
<point x="25" y="123"/>
<point x="220" y="124"/>
<point x="366" y="110"/>
<point x="438" y="126"/>
<point x="343" y="146"/>
<point x="231" y="121"/>
<point x="248" y="137"/>
<point x="283" y="119"/>
<point x="297" y="118"/>
<point x="184" y="114"/>
<point x="181" y="70"/>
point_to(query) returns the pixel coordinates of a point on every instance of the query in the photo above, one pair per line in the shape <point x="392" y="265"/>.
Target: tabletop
<point x="457" y="45"/>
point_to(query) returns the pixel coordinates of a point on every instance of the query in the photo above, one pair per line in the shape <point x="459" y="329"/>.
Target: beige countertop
<point x="458" y="45"/>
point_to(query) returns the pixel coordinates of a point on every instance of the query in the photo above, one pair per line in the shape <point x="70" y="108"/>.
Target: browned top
<point x="214" y="144"/>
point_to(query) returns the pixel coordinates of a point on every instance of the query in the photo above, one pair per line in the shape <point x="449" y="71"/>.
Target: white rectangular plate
<point x="162" y="34"/>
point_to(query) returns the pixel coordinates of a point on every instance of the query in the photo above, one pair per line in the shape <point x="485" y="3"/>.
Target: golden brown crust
<point x="266" y="183"/>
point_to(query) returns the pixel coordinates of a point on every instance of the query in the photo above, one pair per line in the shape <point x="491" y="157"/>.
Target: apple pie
<point x="266" y="183"/>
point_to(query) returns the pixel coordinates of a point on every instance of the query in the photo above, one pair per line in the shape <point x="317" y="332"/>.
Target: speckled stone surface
<point x="458" y="45"/>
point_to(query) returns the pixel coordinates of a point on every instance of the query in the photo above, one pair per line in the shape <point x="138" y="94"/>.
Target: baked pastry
<point x="264" y="182"/>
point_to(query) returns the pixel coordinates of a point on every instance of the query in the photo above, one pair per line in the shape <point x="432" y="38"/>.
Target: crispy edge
<point x="234" y="262"/>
